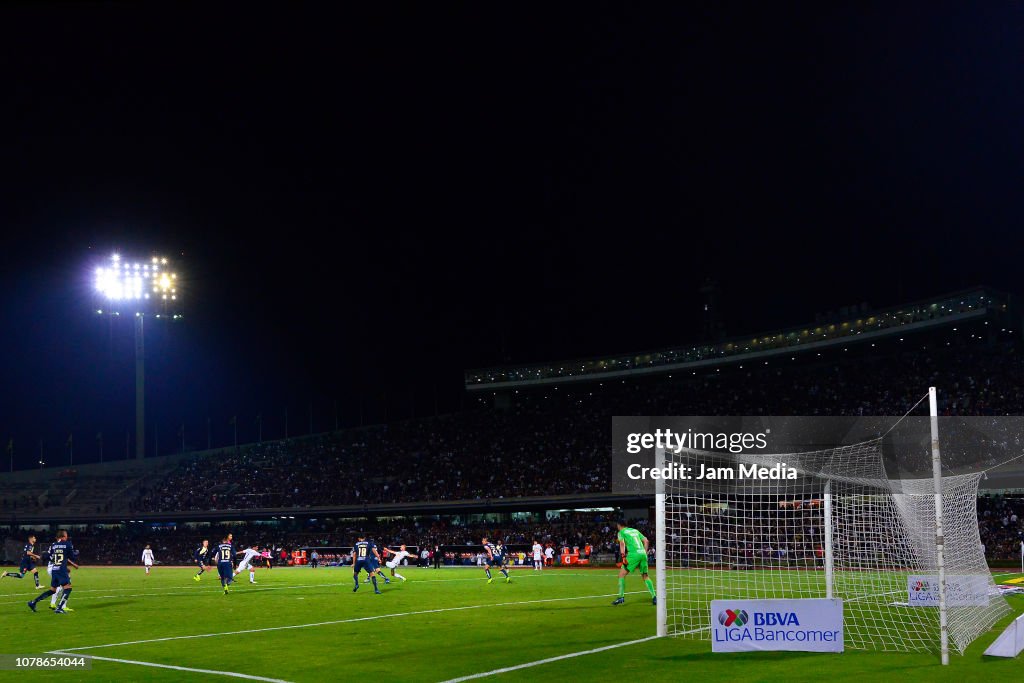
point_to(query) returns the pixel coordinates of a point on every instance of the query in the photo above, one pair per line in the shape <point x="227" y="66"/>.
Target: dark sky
<point x="369" y="200"/>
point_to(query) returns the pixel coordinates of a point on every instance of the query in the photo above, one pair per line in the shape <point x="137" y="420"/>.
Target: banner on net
<point x="962" y="590"/>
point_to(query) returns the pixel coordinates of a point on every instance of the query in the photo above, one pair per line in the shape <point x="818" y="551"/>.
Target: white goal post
<point x="841" y="529"/>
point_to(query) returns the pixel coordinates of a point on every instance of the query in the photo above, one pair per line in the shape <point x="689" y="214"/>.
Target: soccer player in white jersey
<point x="249" y="554"/>
<point x="538" y="558"/>
<point x="147" y="558"/>
<point x="396" y="559"/>
<point x="549" y="556"/>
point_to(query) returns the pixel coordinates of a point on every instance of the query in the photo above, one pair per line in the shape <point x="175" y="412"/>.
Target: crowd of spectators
<point x="763" y="535"/>
<point x="175" y="544"/>
<point x="474" y="455"/>
<point x="1001" y="527"/>
<point x="558" y="440"/>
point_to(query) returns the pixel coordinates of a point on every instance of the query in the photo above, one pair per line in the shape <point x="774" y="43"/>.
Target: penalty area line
<point x="232" y="674"/>
<point x="527" y="665"/>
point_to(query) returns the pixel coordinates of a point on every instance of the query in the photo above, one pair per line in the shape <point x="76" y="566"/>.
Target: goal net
<point x="841" y="529"/>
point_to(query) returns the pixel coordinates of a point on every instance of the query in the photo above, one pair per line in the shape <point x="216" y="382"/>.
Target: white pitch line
<point x="129" y="593"/>
<point x="527" y="665"/>
<point x="197" y="593"/>
<point x="341" y="621"/>
<point x="570" y="655"/>
<point x="232" y="674"/>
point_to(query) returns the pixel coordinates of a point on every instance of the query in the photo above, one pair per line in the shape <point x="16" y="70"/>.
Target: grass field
<point x="299" y="624"/>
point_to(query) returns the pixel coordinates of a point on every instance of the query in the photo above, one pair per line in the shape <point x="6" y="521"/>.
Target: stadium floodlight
<point x="139" y="287"/>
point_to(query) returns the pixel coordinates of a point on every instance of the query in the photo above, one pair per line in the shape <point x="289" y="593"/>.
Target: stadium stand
<point x="85" y="489"/>
<point x="543" y="446"/>
<point x="834" y="329"/>
<point x="557" y="442"/>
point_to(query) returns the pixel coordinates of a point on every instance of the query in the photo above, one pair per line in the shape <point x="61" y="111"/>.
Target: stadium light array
<point x="140" y="285"/>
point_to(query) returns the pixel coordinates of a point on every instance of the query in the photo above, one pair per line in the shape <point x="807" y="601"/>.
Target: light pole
<point x="140" y="385"/>
<point x="143" y="288"/>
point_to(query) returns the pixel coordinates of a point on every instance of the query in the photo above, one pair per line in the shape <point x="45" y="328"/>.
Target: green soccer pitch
<point x="300" y="624"/>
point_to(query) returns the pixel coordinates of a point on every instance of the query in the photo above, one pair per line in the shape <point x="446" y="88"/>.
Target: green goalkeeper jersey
<point x="634" y="541"/>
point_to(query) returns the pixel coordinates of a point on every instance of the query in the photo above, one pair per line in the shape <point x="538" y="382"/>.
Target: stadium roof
<point x="946" y="310"/>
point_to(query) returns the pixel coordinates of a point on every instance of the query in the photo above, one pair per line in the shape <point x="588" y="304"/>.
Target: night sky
<point x="367" y="201"/>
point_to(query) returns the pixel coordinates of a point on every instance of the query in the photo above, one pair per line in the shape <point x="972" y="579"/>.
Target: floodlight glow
<point x="128" y="283"/>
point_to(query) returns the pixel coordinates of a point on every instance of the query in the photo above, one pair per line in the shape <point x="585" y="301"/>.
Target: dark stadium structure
<point x="532" y="457"/>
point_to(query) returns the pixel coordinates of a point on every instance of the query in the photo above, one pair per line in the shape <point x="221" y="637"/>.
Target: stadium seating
<point x="548" y="441"/>
<point x="557" y="441"/>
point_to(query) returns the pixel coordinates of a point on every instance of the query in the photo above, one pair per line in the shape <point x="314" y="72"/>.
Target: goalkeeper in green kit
<point x="633" y="547"/>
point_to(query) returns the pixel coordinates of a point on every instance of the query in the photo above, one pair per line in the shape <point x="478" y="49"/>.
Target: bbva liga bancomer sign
<point x="811" y="625"/>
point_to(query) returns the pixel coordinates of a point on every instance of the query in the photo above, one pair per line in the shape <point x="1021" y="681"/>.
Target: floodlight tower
<point x="138" y="288"/>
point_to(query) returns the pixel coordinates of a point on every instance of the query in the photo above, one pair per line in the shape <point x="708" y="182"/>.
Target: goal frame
<point x="661" y="536"/>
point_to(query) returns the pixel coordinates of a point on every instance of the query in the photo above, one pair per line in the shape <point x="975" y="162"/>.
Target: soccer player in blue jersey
<point x="375" y="564"/>
<point x="61" y="552"/>
<point x="495" y="558"/>
<point x="365" y="556"/>
<point x="201" y="555"/>
<point x="225" y="556"/>
<point x="28" y="562"/>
